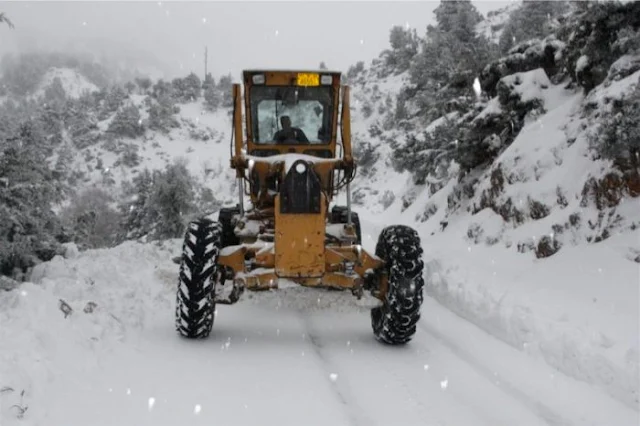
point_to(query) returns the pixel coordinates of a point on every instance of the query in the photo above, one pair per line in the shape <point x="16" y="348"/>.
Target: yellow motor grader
<point x="290" y="161"/>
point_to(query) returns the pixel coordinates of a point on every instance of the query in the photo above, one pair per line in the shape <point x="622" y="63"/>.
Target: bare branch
<point x="3" y="18"/>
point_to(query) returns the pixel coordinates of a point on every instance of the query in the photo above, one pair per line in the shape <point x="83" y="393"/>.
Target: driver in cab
<point x="289" y="134"/>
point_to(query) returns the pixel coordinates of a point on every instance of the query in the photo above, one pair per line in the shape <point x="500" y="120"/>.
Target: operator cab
<point x="291" y="111"/>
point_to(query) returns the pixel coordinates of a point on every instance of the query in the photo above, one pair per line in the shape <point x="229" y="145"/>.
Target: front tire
<point x="198" y="276"/>
<point x="395" y="321"/>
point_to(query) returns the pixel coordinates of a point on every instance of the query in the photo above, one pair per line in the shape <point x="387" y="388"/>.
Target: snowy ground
<point x="505" y="338"/>
<point x="288" y="357"/>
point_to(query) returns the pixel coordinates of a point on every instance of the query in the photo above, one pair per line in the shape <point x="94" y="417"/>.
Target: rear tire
<point x="198" y="276"/>
<point x="395" y="321"/>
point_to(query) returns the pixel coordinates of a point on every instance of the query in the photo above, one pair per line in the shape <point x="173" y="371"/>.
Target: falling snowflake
<point x="476" y="87"/>
<point x="128" y="391"/>
<point x="277" y="32"/>
<point x="361" y="41"/>
<point x="426" y="367"/>
<point x="444" y="383"/>
<point x="333" y="377"/>
<point x="197" y="409"/>
<point x="152" y="401"/>
<point x="204" y="20"/>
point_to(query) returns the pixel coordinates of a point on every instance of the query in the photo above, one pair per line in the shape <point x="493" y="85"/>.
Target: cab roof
<point x="288" y="71"/>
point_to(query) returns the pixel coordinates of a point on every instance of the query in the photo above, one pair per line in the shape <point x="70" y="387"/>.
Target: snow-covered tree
<point x="534" y="19"/>
<point x="28" y="190"/>
<point x="144" y="83"/>
<point x="162" y="114"/>
<point x="91" y="219"/>
<point x="130" y="87"/>
<point x="404" y="46"/>
<point x="597" y="35"/>
<point x="138" y="215"/>
<point x="458" y="18"/>
<point x="224" y="87"/>
<point x="159" y="203"/>
<point x="618" y="138"/>
<point x="186" y="89"/>
<point x="127" y="122"/>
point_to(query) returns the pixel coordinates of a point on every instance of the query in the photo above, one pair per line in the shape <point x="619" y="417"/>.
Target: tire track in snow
<point x="542" y="411"/>
<point x="412" y="395"/>
<point x="340" y="386"/>
<point x="374" y="366"/>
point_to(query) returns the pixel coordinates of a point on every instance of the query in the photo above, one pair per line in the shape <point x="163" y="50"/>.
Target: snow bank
<point x="576" y="310"/>
<point x="529" y="85"/>
<point x="56" y="331"/>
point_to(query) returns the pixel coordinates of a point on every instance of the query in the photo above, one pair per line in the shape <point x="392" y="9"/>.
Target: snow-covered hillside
<point x="541" y="248"/>
<point x="202" y="139"/>
<point x="73" y="83"/>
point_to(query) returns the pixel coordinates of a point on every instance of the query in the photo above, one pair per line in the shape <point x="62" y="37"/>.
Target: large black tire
<point x="339" y="215"/>
<point x="198" y="276"/>
<point x="395" y="321"/>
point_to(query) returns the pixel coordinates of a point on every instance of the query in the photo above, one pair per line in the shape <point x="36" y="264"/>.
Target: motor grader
<point x="291" y="160"/>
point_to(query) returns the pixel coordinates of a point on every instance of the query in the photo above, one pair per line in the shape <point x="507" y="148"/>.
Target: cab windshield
<point x="291" y="114"/>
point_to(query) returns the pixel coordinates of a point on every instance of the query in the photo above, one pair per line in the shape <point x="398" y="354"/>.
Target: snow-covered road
<point x="296" y="356"/>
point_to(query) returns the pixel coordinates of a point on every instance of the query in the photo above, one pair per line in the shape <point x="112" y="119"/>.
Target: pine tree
<point x="28" y="191"/>
<point x="534" y="19"/>
<point x="127" y="122"/>
<point x="144" y="83"/>
<point x="224" y="87"/>
<point x="137" y="211"/>
<point x="192" y="86"/>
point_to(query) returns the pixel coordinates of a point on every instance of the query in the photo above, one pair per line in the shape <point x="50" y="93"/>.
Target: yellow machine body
<point x="289" y="231"/>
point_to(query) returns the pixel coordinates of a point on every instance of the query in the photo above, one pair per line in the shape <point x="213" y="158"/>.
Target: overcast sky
<point x="239" y="34"/>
